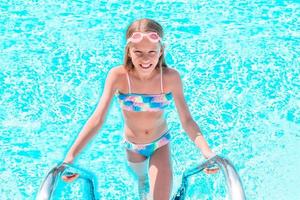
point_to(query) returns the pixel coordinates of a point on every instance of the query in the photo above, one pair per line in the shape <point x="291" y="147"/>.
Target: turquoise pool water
<point x="239" y="61"/>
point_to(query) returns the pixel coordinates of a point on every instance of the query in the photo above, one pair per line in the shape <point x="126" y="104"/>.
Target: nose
<point x="146" y="58"/>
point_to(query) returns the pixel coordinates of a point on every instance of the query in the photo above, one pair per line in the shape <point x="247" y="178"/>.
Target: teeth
<point x="146" y="65"/>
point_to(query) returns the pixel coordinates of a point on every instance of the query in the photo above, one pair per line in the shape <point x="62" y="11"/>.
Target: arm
<point x="96" y="120"/>
<point x="188" y="124"/>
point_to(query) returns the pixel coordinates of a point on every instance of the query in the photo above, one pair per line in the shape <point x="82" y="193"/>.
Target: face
<point x="145" y="55"/>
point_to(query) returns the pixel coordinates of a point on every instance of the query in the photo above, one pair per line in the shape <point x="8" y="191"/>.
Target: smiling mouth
<point x="145" y="66"/>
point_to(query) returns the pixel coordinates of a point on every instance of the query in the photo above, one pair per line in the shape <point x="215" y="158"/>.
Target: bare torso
<point x="143" y="127"/>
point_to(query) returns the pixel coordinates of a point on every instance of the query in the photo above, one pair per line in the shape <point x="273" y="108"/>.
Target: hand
<point x="211" y="170"/>
<point x="209" y="155"/>
<point x="70" y="178"/>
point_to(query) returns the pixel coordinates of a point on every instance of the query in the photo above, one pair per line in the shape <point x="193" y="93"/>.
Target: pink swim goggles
<point x="138" y="36"/>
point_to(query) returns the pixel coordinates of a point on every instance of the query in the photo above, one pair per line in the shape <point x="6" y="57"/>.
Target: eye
<point x="138" y="52"/>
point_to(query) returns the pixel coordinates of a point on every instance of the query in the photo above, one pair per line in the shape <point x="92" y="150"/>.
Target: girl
<point x="144" y="86"/>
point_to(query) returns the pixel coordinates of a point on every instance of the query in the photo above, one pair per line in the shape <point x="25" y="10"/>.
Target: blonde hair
<point x="144" y="25"/>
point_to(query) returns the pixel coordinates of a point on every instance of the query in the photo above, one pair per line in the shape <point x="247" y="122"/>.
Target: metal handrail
<point x="48" y="186"/>
<point x="233" y="181"/>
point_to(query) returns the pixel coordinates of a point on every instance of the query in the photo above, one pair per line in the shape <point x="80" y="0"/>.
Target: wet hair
<point x="144" y="25"/>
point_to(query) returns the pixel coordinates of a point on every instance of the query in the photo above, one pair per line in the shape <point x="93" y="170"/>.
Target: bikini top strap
<point x="129" y="87"/>
<point x="161" y="81"/>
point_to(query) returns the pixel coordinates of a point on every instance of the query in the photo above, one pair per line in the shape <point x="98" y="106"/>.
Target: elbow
<point x="96" y="121"/>
<point x="99" y="122"/>
<point x="186" y="122"/>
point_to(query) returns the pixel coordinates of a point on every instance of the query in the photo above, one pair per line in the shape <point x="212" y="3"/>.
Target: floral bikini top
<point x="144" y="102"/>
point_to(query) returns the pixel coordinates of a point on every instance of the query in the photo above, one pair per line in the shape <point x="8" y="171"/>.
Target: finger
<point x="66" y="179"/>
<point x="76" y="176"/>
<point x="70" y="178"/>
<point x="213" y="171"/>
<point x="206" y="171"/>
<point x="73" y="177"/>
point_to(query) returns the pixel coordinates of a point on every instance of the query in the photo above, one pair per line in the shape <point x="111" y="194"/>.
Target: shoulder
<point x="173" y="80"/>
<point x="116" y="72"/>
<point x="117" y="75"/>
<point x="172" y="75"/>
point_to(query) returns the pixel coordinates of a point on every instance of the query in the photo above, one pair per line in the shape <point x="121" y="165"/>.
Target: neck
<point x="145" y="77"/>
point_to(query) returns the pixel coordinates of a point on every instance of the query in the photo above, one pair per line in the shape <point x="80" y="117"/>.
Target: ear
<point x="128" y="53"/>
<point x="162" y="48"/>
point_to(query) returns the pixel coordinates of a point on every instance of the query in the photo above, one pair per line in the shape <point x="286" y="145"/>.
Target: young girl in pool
<point x="144" y="86"/>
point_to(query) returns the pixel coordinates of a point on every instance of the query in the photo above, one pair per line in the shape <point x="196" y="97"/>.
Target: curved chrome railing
<point x="234" y="184"/>
<point x="48" y="186"/>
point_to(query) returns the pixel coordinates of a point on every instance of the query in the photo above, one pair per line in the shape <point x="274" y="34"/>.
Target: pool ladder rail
<point x="233" y="182"/>
<point x="49" y="184"/>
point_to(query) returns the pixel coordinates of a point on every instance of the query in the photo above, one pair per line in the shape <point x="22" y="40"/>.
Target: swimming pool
<point x="239" y="63"/>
